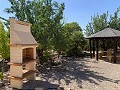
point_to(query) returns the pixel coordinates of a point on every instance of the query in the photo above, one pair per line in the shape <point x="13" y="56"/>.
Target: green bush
<point x="1" y="76"/>
<point x="46" y="56"/>
<point x="75" y="52"/>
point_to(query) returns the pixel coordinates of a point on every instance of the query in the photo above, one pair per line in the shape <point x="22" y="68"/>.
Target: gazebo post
<point x="97" y="49"/>
<point x="115" y="50"/>
<point x="90" y="48"/>
<point x="93" y="48"/>
<point x="104" y="46"/>
<point x="117" y="45"/>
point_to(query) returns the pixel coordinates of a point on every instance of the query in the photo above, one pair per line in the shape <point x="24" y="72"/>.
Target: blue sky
<point x="79" y="11"/>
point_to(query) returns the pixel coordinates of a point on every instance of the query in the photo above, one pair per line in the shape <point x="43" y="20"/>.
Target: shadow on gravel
<point x="40" y="85"/>
<point x="72" y="69"/>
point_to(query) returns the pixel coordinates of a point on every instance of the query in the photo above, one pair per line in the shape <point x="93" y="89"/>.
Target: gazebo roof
<point x="106" y="33"/>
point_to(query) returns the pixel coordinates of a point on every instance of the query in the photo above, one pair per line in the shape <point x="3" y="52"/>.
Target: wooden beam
<point x="93" y="48"/>
<point x="103" y="46"/>
<point x="97" y="49"/>
<point x="117" y="44"/>
<point x="115" y="50"/>
<point x="90" y="48"/>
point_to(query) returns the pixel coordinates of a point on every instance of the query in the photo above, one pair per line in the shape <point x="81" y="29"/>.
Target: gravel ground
<point x="84" y="74"/>
<point x="80" y="74"/>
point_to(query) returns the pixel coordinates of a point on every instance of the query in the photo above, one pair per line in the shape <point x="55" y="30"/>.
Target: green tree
<point x="98" y="22"/>
<point x="114" y="21"/>
<point x="74" y="26"/>
<point x="46" y="19"/>
<point x="75" y="40"/>
<point x="4" y="46"/>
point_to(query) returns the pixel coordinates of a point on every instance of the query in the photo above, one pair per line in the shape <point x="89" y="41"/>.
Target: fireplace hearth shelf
<point x="26" y="74"/>
<point x="24" y="62"/>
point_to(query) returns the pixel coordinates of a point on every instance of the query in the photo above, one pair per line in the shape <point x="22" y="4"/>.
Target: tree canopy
<point x="4" y="48"/>
<point x="75" y="40"/>
<point x="4" y="43"/>
<point x="46" y="19"/>
<point x="100" y="22"/>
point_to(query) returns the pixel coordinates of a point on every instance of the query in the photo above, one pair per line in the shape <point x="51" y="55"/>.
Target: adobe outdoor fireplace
<point x="22" y="53"/>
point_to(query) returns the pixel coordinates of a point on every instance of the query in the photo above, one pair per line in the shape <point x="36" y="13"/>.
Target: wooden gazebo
<point x="103" y="35"/>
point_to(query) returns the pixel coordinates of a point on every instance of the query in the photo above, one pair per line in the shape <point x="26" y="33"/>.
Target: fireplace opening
<point x="28" y="53"/>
